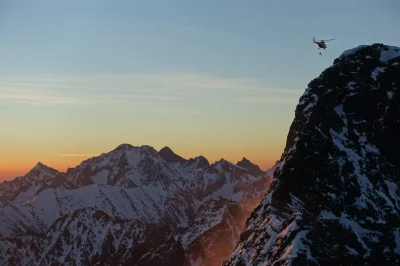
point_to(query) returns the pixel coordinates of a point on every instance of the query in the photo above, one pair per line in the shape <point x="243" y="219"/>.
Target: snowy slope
<point x="13" y="221"/>
<point x="83" y="238"/>
<point x="130" y="183"/>
<point x="335" y="197"/>
<point x="214" y="231"/>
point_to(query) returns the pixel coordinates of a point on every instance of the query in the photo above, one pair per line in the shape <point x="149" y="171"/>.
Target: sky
<point x="215" y="78"/>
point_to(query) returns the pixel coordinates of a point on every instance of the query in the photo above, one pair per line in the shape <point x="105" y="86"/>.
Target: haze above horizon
<point x="214" y="78"/>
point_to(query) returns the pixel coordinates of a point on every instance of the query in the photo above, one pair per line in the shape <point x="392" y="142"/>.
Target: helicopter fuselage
<point x="321" y="45"/>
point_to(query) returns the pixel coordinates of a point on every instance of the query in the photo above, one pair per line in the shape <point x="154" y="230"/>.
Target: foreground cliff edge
<point x="334" y="199"/>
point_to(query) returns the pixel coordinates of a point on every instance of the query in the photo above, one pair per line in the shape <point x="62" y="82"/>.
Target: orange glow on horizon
<point x="17" y="166"/>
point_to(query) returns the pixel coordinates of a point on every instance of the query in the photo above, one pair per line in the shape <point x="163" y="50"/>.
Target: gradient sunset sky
<point x="216" y="78"/>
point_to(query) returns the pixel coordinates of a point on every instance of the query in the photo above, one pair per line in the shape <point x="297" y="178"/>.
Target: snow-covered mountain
<point x="132" y="205"/>
<point x="25" y="186"/>
<point x="335" y="198"/>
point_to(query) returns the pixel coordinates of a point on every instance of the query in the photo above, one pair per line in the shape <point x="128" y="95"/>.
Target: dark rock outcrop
<point x="334" y="199"/>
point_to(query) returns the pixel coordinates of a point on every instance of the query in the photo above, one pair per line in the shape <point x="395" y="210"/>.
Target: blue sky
<point x="206" y="73"/>
<point x="256" y="39"/>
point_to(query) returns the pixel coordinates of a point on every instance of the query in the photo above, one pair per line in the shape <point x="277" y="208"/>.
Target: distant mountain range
<point x="130" y="206"/>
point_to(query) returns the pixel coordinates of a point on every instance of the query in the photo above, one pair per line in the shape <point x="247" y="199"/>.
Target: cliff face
<point x="334" y="198"/>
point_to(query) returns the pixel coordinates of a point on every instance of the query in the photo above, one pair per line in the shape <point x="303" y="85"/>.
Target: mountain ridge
<point x="146" y="149"/>
<point x="165" y="151"/>
<point x="157" y="189"/>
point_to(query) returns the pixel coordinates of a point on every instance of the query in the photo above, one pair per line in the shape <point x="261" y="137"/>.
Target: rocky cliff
<point x="334" y="198"/>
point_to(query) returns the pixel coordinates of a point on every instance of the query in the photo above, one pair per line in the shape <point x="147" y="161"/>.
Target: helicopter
<point x="321" y="43"/>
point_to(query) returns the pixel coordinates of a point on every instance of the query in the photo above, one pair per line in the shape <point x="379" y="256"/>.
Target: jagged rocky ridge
<point x="130" y="206"/>
<point x="334" y="198"/>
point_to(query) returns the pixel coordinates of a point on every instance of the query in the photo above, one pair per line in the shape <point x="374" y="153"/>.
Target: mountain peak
<point x="222" y="161"/>
<point x="124" y="146"/>
<point x="252" y="168"/>
<point x="199" y="161"/>
<point x="169" y="156"/>
<point x="385" y="52"/>
<point x="244" y="161"/>
<point x="224" y="165"/>
<point x="128" y="147"/>
<point x="39" y="175"/>
<point x="40" y="167"/>
<point x="166" y="149"/>
<point x="202" y="161"/>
